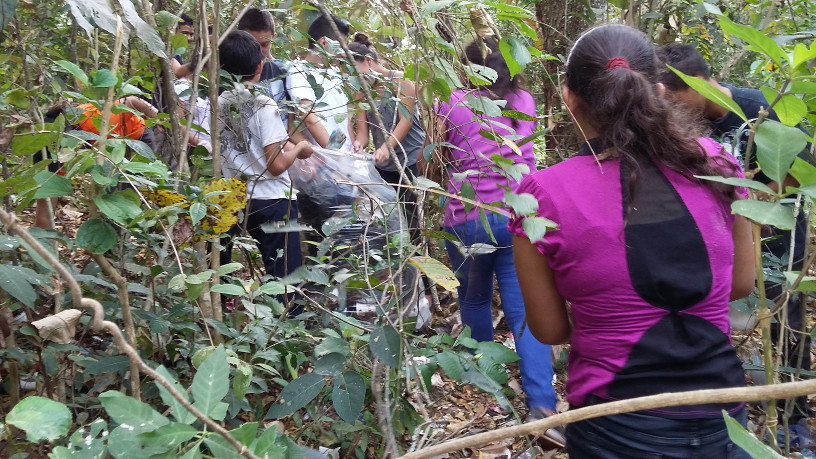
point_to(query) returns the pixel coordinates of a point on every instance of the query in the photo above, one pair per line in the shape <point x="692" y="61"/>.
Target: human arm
<point x="408" y="102"/>
<point x="313" y="124"/>
<point x="281" y="155"/>
<point x="140" y="105"/>
<point x="744" y="274"/>
<point x="361" y="133"/>
<point x="546" y="310"/>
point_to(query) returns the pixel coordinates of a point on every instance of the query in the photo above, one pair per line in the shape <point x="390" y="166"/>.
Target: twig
<point x="736" y="394"/>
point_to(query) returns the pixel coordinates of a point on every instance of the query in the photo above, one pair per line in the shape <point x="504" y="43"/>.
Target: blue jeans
<point x="645" y="435"/>
<point x="475" y="274"/>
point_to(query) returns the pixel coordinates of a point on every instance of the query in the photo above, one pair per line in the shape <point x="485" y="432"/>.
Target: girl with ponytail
<point x="646" y="255"/>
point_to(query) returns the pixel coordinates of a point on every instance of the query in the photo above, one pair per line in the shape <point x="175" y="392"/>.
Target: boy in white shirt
<point x="254" y="145"/>
<point x="327" y="112"/>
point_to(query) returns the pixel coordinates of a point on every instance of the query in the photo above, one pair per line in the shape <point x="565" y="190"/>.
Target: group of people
<point x="646" y="257"/>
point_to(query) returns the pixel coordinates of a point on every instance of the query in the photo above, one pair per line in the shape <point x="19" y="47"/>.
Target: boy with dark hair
<point x="731" y="131"/>
<point x="185" y="27"/>
<point x="324" y="107"/>
<point x="261" y="25"/>
<point x="254" y="143"/>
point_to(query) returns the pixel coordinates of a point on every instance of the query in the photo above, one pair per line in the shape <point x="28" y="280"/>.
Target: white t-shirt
<point x="332" y="107"/>
<point x="248" y="122"/>
<point x="201" y="109"/>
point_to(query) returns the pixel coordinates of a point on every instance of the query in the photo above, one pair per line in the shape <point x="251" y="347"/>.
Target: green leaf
<point x="386" y="345"/>
<point x="330" y="364"/>
<point x="103" y="78"/>
<point x="802" y="54"/>
<point x="7" y="8"/>
<point x="487" y="384"/>
<point x="436" y="271"/>
<point x="790" y="109"/>
<point x="96" y="236"/>
<point x="512" y="64"/>
<point x="803" y="172"/>
<point x="198" y="210"/>
<point x="482" y="104"/>
<point x="31" y="142"/>
<point x="229" y="289"/>
<point x="765" y="213"/>
<point x="711" y="8"/>
<point x="748" y="441"/>
<point x="737" y="181"/>
<point x="131" y="414"/>
<point x="18" y="97"/>
<point x="144" y="32"/>
<point x="14" y="281"/>
<point x="228" y="268"/>
<point x="757" y="40"/>
<point x="51" y="185"/>
<point x="142" y="149"/>
<point x="497" y="352"/>
<point x="348" y="395"/>
<point x="536" y="227"/>
<point x="296" y="395"/>
<point x="332" y="344"/>
<point x="777" y="147"/>
<point x="74" y="70"/>
<point x="710" y="92"/>
<point x="41" y="418"/>
<point x="241" y="380"/>
<point x="176" y="409"/>
<point x="166" y="19"/>
<point x="211" y="381"/>
<point x="522" y="204"/>
<point x="450" y="364"/>
<point x="117" y="207"/>
<point x="169" y="436"/>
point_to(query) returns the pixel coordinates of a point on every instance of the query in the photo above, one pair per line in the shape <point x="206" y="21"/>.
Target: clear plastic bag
<point x="343" y="197"/>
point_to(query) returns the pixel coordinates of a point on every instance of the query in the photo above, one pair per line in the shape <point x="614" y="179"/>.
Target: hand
<point x="304" y="149"/>
<point x="356" y="146"/>
<point x="381" y="155"/>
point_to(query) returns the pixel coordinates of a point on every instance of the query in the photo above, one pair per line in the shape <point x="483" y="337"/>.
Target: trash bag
<point x="342" y="196"/>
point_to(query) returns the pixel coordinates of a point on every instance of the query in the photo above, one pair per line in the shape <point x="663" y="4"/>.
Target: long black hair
<point x="485" y="52"/>
<point x="614" y="70"/>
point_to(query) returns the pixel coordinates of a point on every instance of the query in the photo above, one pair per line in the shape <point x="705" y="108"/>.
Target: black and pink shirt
<point x="649" y="291"/>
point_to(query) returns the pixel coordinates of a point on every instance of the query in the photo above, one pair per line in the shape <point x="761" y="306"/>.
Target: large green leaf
<point x="710" y="92"/>
<point x="507" y="52"/>
<point x="802" y="54"/>
<point x="737" y="181"/>
<point x="296" y="395"/>
<point x="803" y="172"/>
<point x="103" y="78"/>
<point x="41" y="418"/>
<point x="51" y="185"/>
<point x="176" y="409"/>
<point x="241" y="380"/>
<point x="756" y="39"/>
<point x="747" y="441"/>
<point x="169" y="436"/>
<point x="7" y="8"/>
<point x="74" y="70"/>
<point x="32" y="142"/>
<point x="386" y="345"/>
<point x="765" y="213"/>
<point x="131" y="412"/>
<point x="777" y="147"/>
<point x="790" y="109"/>
<point x="499" y="352"/>
<point x="536" y="227"/>
<point x="211" y="382"/>
<point x="117" y="207"/>
<point x="348" y="395"/>
<point x="522" y="204"/>
<point x="450" y="364"/>
<point x="436" y="271"/>
<point x="14" y="280"/>
<point x="96" y="236"/>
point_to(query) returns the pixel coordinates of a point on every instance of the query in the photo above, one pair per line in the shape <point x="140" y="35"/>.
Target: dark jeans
<point x="645" y="435"/>
<point x="280" y="252"/>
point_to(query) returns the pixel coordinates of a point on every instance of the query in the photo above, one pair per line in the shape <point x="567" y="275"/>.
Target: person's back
<point x="317" y="89"/>
<point x="647" y="256"/>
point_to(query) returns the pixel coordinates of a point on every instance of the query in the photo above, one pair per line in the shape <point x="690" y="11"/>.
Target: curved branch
<point x="736" y="394"/>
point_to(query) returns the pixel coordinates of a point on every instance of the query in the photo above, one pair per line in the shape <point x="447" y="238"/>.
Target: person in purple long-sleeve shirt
<point x="473" y="170"/>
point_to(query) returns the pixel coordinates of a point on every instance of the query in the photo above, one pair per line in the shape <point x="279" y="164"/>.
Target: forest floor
<point x="458" y="410"/>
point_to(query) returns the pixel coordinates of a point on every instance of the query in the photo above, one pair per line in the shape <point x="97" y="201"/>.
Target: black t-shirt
<point x="731" y="127"/>
<point x="273" y="84"/>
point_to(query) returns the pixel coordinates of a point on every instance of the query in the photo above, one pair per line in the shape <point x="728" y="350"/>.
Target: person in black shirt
<point x="733" y="133"/>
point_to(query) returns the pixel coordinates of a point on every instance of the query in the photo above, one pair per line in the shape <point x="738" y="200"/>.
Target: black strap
<point x="592" y="146"/>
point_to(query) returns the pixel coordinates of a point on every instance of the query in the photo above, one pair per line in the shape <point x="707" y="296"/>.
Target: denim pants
<point x="475" y="274"/>
<point x="645" y="435"/>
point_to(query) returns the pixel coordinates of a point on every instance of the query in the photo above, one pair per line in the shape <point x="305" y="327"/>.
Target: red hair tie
<point x="615" y="62"/>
